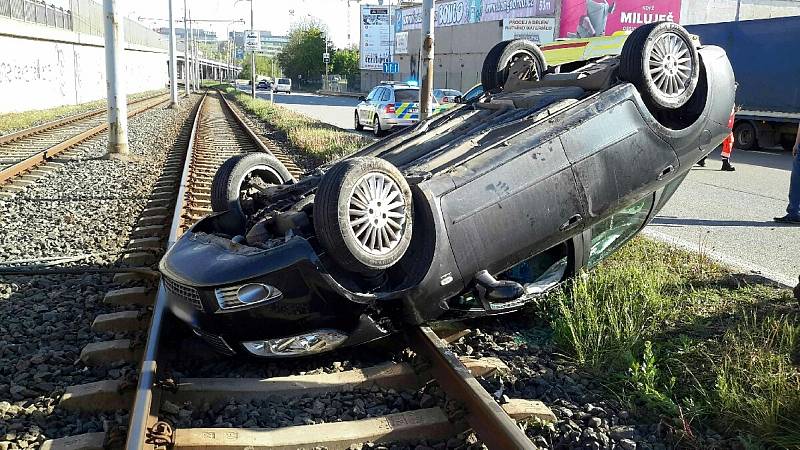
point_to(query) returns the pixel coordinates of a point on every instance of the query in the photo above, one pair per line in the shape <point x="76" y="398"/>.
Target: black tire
<point x="657" y="90"/>
<point x="226" y="189"/>
<point x="744" y="136"/>
<point x="376" y="126"/>
<point x="496" y="65"/>
<point x="358" y="125"/>
<point x="336" y="198"/>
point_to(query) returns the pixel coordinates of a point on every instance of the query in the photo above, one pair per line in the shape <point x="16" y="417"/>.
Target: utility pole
<point x="186" y="49"/>
<point x="115" y="90"/>
<point x="253" y="56"/>
<point x="427" y="60"/>
<point x="173" y="62"/>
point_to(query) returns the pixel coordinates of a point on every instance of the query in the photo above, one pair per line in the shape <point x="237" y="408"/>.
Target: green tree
<point x="264" y="67"/>
<point x="345" y="63"/>
<point x="302" y="56"/>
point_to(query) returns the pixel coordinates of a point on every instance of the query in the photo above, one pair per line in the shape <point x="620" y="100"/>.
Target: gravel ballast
<point x="87" y="206"/>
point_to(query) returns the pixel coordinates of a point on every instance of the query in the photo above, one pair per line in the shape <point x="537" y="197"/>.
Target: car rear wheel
<point x="235" y="183"/>
<point x="357" y="125"/>
<point x="661" y="60"/>
<point x="498" y="62"/>
<point x="744" y="135"/>
<point x="363" y="214"/>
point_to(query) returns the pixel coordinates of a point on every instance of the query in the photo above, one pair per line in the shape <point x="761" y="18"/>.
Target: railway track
<point x="219" y="132"/>
<point x="23" y="151"/>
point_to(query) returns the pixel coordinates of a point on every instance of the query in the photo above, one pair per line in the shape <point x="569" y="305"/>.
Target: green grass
<point x="675" y="335"/>
<point x="11" y="122"/>
<point x="316" y="141"/>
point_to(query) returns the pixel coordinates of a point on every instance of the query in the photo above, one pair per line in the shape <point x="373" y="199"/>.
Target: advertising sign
<point x="401" y="43"/>
<point x="252" y="41"/>
<point x="376" y="32"/>
<point x="589" y="18"/>
<point x="459" y="12"/>
<point x="540" y="30"/>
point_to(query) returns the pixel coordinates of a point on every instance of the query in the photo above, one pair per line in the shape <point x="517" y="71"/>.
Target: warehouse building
<point x="467" y="29"/>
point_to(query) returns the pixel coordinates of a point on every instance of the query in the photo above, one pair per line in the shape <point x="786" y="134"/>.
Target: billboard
<point x="459" y="12"/>
<point x="376" y="32"/>
<point x="589" y="18"/>
<point x="540" y="30"/>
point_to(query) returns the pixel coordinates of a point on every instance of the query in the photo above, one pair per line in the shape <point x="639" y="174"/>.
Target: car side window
<point x="385" y="95"/>
<point x="608" y="235"/>
<point x="372" y="93"/>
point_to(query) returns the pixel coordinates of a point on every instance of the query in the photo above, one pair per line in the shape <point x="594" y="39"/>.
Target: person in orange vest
<point x="727" y="148"/>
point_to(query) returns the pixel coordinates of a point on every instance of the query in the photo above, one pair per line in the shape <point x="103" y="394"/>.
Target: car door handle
<point x="571" y="222"/>
<point x="667" y="170"/>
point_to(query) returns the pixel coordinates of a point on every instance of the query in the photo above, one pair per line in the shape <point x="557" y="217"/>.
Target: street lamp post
<point x="252" y="57"/>
<point x="427" y="60"/>
<point x="186" y="49"/>
<point x="173" y="61"/>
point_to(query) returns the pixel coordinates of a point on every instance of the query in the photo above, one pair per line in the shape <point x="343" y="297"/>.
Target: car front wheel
<point x="357" y="125"/>
<point x="235" y="182"/>
<point x="376" y="126"/>
<point x="363" y="214"/>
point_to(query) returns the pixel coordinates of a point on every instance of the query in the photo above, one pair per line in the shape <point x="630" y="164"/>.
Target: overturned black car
<point x="473" y="212"/>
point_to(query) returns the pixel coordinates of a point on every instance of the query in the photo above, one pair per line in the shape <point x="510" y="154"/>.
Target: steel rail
<point x="494" y="427"/>
<point x="42" y="156"/>
<point x="142" y="404"/>
<point x="11" y="137"/>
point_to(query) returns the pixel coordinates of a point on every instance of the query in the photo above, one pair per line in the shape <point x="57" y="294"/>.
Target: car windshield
<point x="284" y="81"/>
<point x="406" y="95"/>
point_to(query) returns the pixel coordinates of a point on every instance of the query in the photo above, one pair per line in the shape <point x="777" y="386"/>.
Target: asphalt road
<point x="334" y="110"/>
<point x="727" y="215"/>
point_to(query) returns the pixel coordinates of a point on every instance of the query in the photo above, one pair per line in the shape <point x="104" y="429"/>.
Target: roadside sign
<point x="252" y="41"/>
<point x="239" y="53"/>
<point x="326" y="57"/>
<point x="391" y="67"/>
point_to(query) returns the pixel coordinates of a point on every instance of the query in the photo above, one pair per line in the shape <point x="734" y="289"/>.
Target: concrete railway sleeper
<point x="153" y="400"/>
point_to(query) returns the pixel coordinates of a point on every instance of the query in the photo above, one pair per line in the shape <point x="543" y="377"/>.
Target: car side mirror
<point x="457" y="99"/>
<point x="362" y="98"/>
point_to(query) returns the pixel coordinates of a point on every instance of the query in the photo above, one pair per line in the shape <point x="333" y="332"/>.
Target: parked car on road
<point x="264" y="84"/>
<point x="387" y="106"/>
<point x="283" y="85"/>
<point x="446" y="95"/>
<point x="475" y="211"/>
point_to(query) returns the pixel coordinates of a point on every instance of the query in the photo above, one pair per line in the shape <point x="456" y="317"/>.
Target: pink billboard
<point x="589" y="18"/>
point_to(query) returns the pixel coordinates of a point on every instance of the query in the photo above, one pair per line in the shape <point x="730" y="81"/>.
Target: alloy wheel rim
<point x="376" y="213"/>
<point x="670" y="64"/>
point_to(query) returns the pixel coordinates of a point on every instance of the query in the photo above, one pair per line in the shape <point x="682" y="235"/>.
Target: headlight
<point x="247" y="294"/>
<point x="304" y="344"/>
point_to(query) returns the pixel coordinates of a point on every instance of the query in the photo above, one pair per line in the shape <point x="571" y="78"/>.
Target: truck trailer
<point x="764" y="55"/>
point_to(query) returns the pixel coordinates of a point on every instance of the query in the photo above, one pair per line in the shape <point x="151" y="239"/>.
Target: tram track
<point x="21" y="152"/>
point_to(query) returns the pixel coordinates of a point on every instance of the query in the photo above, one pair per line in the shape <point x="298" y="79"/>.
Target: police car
<point x="389" y="105"/>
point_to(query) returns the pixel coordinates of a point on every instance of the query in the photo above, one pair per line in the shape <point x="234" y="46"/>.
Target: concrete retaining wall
<point x="44" y="67"/>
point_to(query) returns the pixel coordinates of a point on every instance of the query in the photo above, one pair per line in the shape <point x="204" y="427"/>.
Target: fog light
<point x="247" y="294"/>
<point x="304" y="344"/>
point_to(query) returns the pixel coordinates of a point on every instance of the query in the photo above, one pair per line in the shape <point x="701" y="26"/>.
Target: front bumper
<point x="202" y="270"/>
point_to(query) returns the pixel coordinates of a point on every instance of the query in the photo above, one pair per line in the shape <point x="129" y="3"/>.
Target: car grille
<point x="215" y="341"/>
<point x="186" y="293"/>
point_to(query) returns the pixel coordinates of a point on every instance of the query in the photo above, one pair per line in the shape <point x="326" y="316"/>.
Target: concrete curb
<point x="734" y="263"/>
<point x="340" y="94"/>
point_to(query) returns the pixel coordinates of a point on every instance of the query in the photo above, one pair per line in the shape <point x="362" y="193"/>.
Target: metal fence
<point x="37" y="11"/>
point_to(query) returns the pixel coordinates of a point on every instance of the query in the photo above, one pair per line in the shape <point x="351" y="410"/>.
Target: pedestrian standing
<point x="793" y="210"/>
<point x="727" y="148"/>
